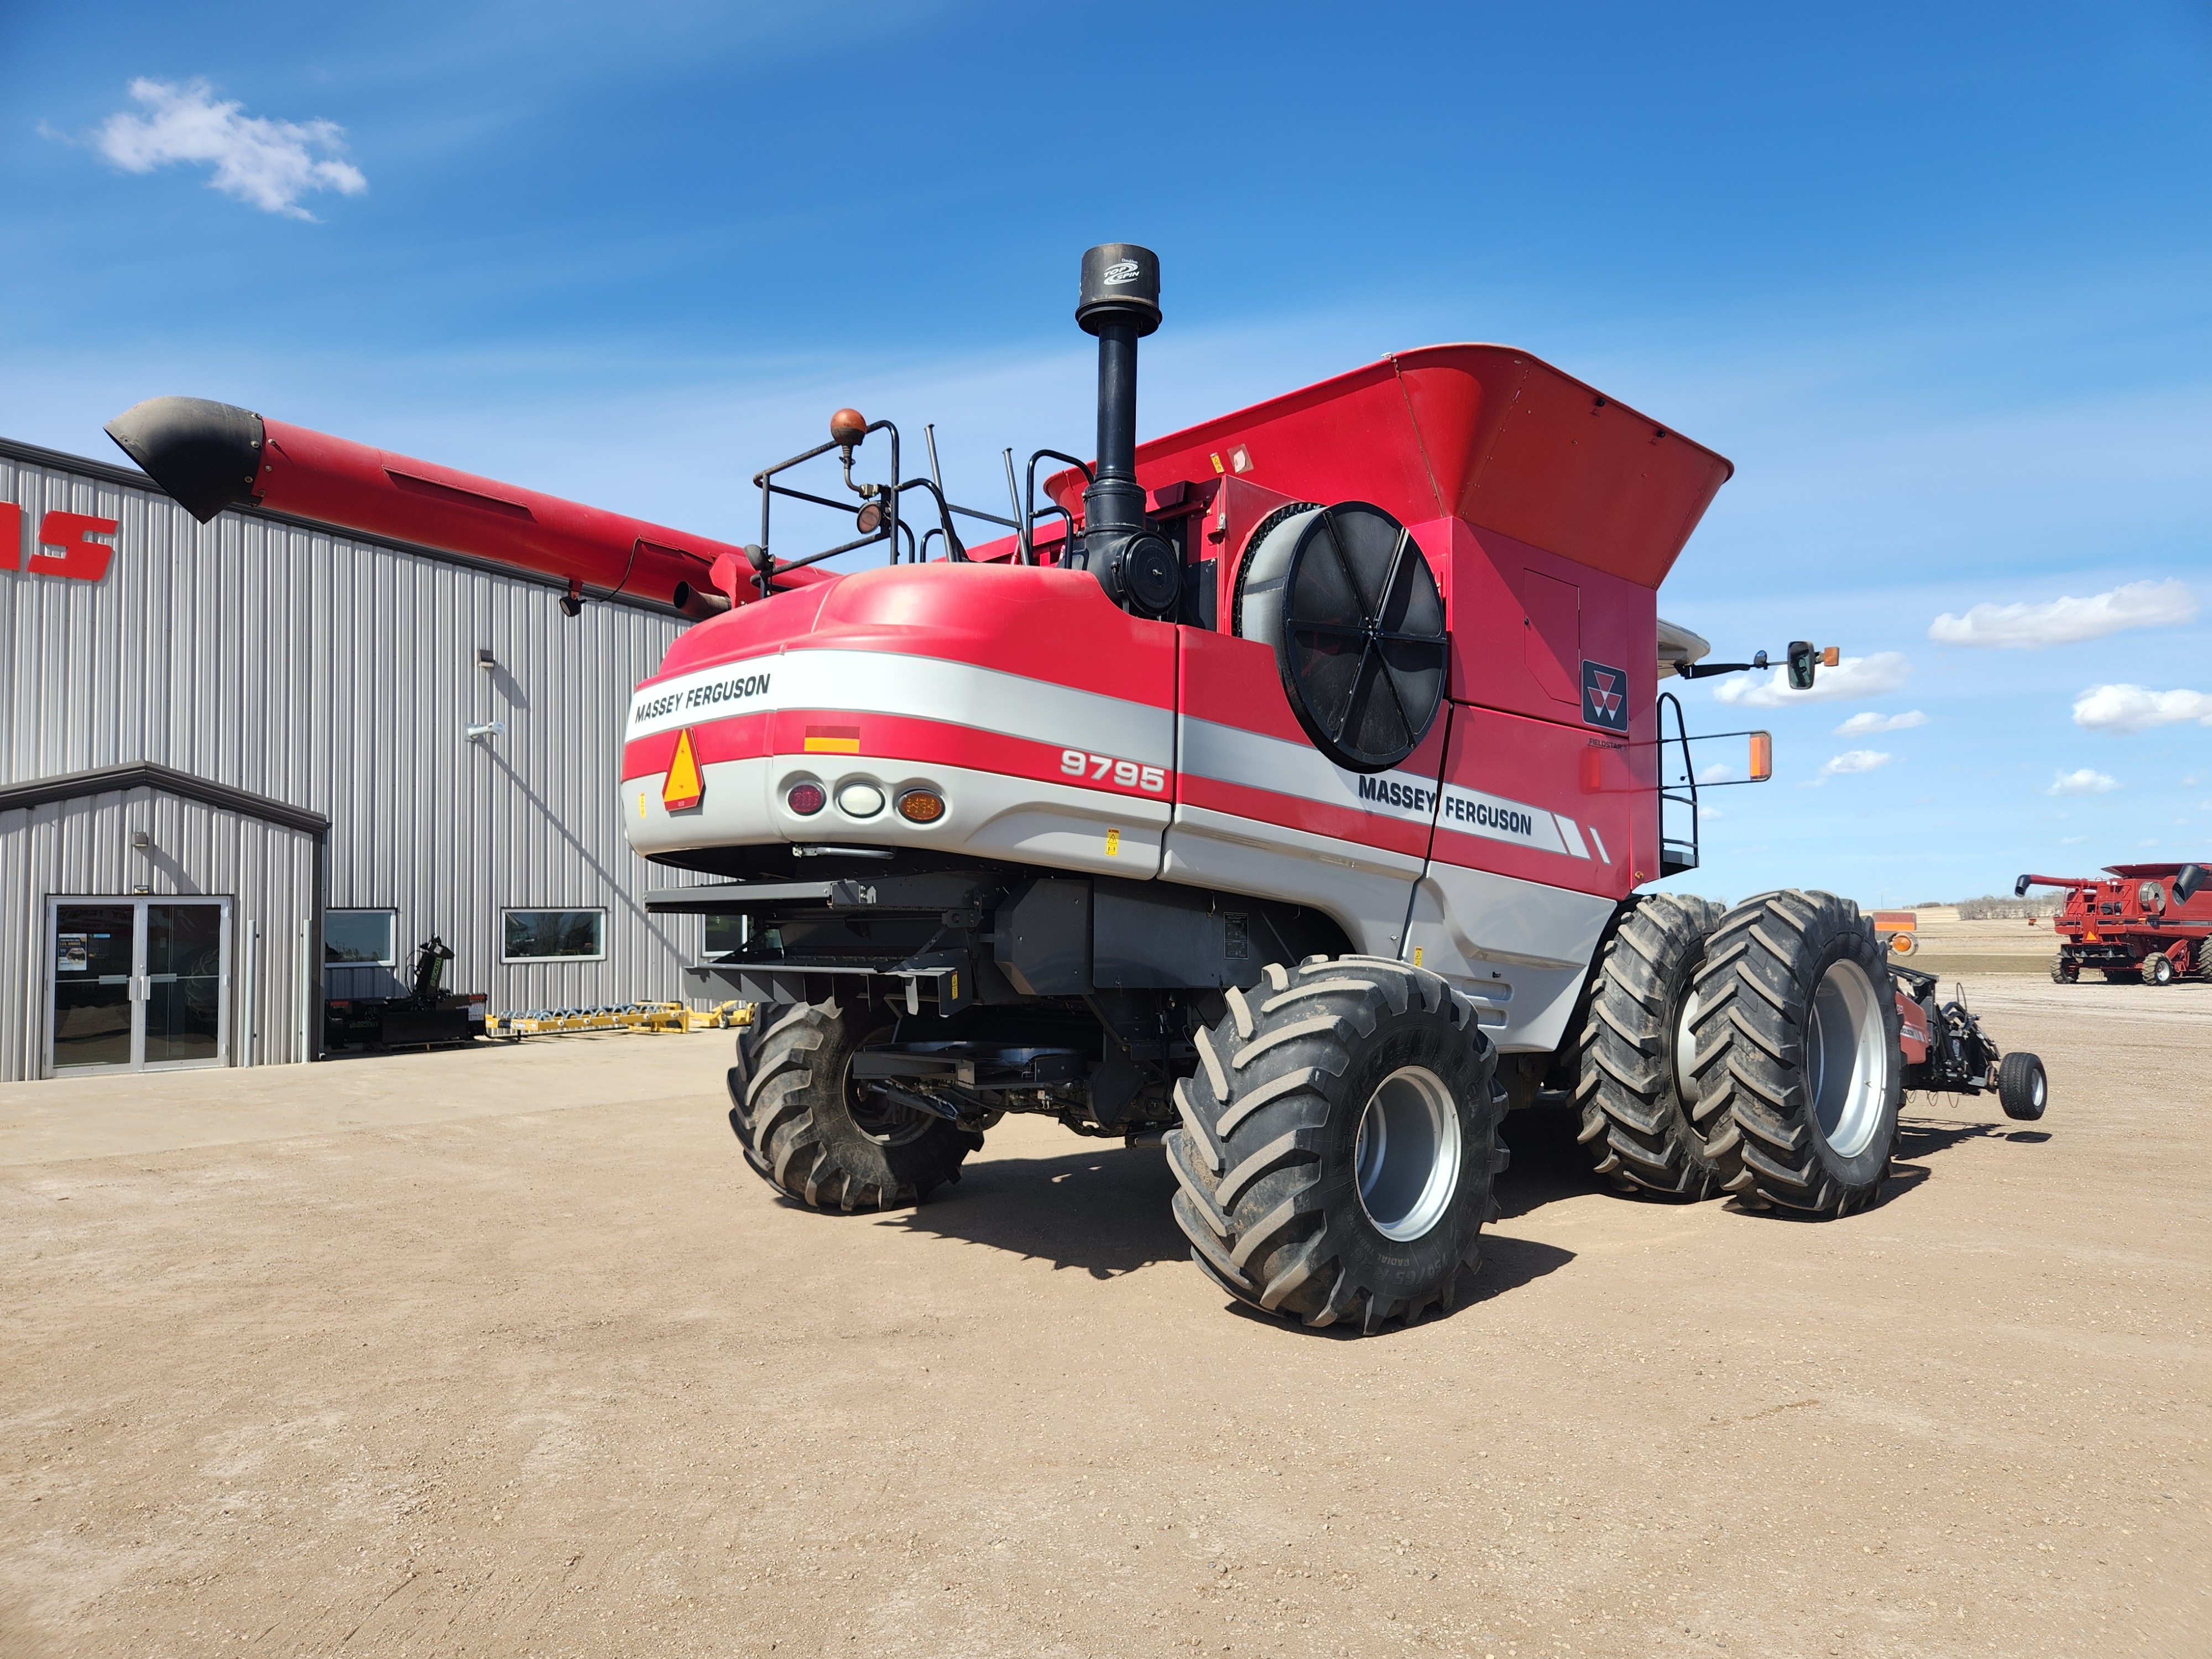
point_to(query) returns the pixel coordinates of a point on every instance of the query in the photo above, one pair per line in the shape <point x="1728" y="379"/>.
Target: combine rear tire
<point x="814" y="1137"/>
<point x="1637" y="1047"/>
<point x="2064" y="970"/>
<point x="1798" y="1073"/>
<point x="2158" y="969"/>
<point x="1338" y="1142"/>
<point x="2022" y="1089"/>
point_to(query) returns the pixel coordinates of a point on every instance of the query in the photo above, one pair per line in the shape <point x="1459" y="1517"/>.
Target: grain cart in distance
<point x="2146" y="922"/>
<point x="1283" y="786"/>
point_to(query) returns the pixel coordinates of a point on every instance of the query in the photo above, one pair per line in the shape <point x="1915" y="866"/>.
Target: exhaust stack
<point x="1120" y="303"/>
<point x="209" y="456"/>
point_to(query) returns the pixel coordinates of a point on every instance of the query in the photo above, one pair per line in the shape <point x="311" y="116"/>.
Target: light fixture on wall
<point x="141" y="840"/>
<point x="485" y="661"/>
<point x="487" y="729"/>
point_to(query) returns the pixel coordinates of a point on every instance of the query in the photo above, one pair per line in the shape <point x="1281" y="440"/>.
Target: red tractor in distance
<point x="2148" y="922"/>
<point x="1283" y="788"/>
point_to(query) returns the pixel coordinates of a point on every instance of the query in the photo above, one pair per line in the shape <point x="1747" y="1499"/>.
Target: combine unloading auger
<point x="209" y="456"/>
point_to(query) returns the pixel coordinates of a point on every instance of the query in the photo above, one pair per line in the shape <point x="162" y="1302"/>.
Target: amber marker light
<point x="921" y="806"/>
<point x="806" y="798"/>
<point x="1762" y="756"/>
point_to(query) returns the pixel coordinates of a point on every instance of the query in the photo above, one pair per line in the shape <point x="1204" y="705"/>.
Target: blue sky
<point x="1938" y="280"/>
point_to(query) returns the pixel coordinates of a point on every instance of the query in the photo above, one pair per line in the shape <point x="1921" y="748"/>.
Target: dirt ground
<point x="506" y="1353"/>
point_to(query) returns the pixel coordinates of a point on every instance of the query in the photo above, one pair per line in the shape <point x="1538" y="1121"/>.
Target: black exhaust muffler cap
<point x="207" y="455"/>
<point x="1121" y="284"/>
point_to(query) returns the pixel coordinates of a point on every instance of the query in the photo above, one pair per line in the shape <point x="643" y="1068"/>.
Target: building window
<point x="555" y="936"/>
<point x="360" y="938"/>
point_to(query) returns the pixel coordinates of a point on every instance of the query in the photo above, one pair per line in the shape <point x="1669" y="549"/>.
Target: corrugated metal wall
<point x="83" y="848"/>
<point x="337" y="675"/>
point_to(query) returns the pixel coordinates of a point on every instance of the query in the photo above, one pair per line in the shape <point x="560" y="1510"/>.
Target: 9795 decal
<point x="1099" y="769"/>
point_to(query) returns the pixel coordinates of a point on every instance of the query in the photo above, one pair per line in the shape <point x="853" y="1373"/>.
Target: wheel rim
<point x="2035" y="1089"/>
<point x="1408" y="1154"/>
<point x="1686" y="1049"/>
<point x="883" y="1120"/>
<point x="1846" y="1060"/>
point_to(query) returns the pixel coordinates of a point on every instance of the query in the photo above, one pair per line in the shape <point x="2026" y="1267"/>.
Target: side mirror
<point x="1804" y="663"/>
<point x="2189" y="881"/>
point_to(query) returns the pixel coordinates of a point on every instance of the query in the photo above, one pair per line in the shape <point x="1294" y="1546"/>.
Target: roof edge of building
<point x="135" y="774"/>
<point x="130" y="477"/>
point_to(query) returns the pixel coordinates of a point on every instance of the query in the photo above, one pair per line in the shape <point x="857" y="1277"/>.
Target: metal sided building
<point x="236" y="778"/>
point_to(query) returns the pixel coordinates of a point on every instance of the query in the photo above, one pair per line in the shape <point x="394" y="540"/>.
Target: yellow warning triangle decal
<point x="685" y="785"/>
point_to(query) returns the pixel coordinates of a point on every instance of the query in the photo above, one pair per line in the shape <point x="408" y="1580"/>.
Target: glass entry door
<point x="139" y="983"/>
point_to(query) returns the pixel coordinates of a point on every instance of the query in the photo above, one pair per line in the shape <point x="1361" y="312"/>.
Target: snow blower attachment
<point x="1282" y="788"/>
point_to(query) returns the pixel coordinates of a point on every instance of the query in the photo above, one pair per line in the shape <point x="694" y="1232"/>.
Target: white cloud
<point x="2085" y="781"/>
<point x="2066" y="621"/>
<point x="268" y="163"/>
<point x="1855" y="759"/>
<point x="2138" y="708"/>
<point x="1852" y="677"/>
<point x="1867" y="724"/>
<point x="2071" y="841"/>
<point x="1718" y="772"/>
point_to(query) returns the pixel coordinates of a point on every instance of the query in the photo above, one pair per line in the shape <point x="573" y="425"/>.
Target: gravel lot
<point x="505" y="1352"/>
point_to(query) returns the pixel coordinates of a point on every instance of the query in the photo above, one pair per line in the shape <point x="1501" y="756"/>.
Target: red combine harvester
<point x="1283" y="786"/>
<point x="2151" y="922"/>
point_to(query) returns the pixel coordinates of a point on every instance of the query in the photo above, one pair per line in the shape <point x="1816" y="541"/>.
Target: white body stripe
<point x="1228" y="754"/>
<point x="987" y="815"/>
<point x="889" y="683"/>
<point x="1493" y="817"/>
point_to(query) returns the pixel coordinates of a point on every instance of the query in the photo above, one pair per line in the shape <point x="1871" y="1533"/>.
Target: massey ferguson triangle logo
<point x="1605" y="697"/>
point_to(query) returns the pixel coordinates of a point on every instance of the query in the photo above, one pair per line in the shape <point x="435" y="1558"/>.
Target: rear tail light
<point x="921" y="806"/>
<point x="860" y="801"/>
<point x="806" y="798"/>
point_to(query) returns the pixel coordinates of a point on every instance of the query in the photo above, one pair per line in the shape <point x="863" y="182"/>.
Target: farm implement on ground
<point x="2150" y="923"/>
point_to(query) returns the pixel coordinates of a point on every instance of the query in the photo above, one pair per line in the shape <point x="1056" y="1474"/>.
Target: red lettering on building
<point x="79" y="558"/>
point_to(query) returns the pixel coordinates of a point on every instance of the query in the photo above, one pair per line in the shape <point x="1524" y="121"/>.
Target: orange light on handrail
<point x="1762" y="756"/>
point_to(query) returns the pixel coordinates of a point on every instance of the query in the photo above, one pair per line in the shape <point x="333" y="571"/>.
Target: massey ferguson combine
<point x="1282" y="787"/>
<point x="2148" y="923"/>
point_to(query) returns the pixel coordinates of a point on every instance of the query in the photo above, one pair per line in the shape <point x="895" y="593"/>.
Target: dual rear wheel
<point x="1754" y="1051"/>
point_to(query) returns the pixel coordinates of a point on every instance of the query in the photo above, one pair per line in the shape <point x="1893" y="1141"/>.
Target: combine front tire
<point x="1338" y="1144"/>
<point x="1799" y="1076"/>
<point x="1636" y="1048"/>
<point x="812" y="1135"/>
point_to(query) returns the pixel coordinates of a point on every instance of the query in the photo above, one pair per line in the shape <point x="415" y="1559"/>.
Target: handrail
<point x="1667" y="699"/>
